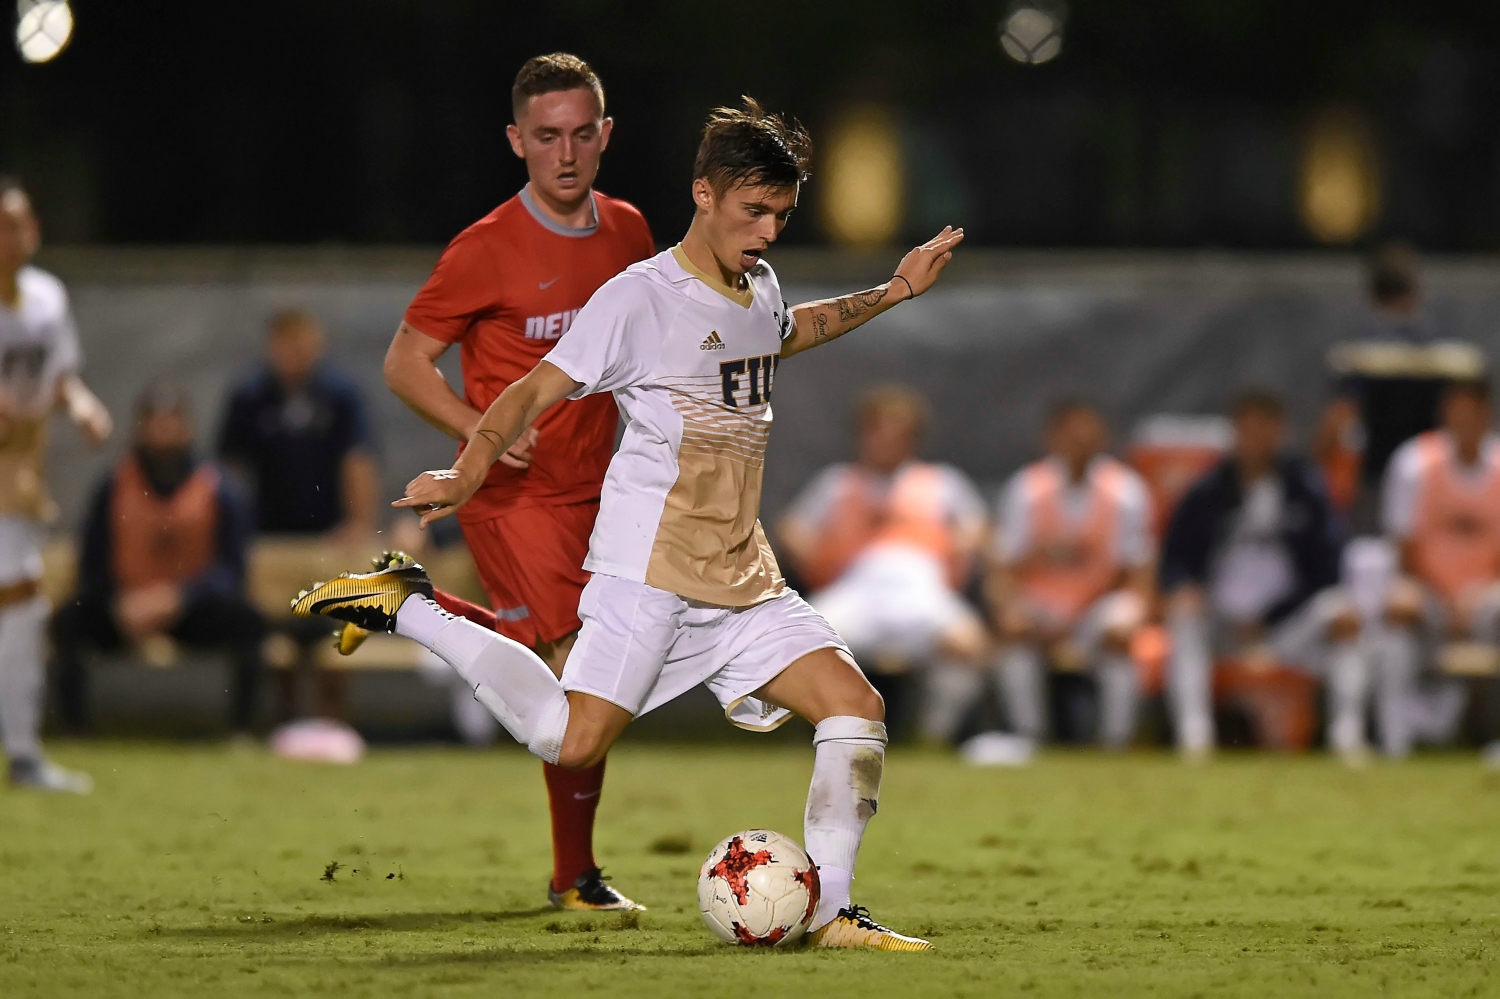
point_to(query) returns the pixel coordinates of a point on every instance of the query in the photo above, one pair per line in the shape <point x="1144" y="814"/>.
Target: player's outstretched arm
<point x="439" y="493"/>
<point x="816" y="323"/>
<point x="85" y="409"/>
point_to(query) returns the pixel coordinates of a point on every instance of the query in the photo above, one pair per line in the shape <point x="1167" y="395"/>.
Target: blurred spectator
<point x="1071" y="574"/>
<point x="1249" y="569"/>
<point x="163" y="555"/>
<point x="39" y="361"/>
<point x="1442" y="508"/>
<point x="1389" y="379"/>
<point x="886" y="544"/>
<point x="297" y="432"/>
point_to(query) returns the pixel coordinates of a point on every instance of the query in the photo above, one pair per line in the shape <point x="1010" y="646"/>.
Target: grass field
<point x="201" y="871"/>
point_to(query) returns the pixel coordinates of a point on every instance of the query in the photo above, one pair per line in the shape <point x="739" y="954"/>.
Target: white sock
<point x="22" y="677"/>
<point x="1023" y="680"/>
<point x="848" y="761"/>
<point x="506" y="677"/>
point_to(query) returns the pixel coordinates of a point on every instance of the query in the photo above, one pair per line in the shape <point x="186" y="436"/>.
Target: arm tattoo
<point x="820" y="326"/>
<point x="854" y="306"/>
<point x="493" y="437"/>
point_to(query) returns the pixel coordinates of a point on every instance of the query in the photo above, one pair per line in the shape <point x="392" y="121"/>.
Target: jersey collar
<point x="740" y="298"/>
<point x="551" y="224"/>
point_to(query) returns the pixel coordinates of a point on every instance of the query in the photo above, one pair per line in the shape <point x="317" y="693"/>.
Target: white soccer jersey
<point x="691" y="363"/>
<point x="38" y="344"/>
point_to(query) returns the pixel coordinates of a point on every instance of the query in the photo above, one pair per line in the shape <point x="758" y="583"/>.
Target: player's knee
<point x="581" y="754"/>
<point x="867" y="704"/>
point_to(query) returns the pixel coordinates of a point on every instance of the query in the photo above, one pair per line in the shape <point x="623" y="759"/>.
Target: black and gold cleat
<point x="590" y="894"/>
<point x="367" y="600"/>
<point x="352" y="636"/>
<point x="853" y="928"/>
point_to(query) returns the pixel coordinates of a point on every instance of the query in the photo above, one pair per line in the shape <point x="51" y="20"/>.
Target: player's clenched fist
<point x="436" y="494"/>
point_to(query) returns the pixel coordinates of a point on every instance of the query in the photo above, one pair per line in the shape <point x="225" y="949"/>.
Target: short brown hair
<point x="893" y="398"/>
<point x="548" y="74"/>
<point x="752" y="146"/>
<point x="1258" y="400"/>
<point x="286" y="320"/>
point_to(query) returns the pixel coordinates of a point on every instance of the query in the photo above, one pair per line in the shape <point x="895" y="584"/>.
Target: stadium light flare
<point x="43" y="28"/>
<point x="1032" y="31"/>
<point x="863" y="180"/>
<point x="1339" y="187"/>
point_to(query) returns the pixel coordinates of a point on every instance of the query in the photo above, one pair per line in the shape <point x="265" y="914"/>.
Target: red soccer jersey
<point x="506" y="289"/>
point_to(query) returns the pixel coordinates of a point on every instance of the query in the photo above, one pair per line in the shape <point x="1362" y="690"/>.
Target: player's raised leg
<point x="849" y="738"/>
<point x="573" y="795"/>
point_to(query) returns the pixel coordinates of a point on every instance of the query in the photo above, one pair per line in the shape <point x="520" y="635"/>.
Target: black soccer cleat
<point x="367" y="600"/>
<point x="590" y="894"/>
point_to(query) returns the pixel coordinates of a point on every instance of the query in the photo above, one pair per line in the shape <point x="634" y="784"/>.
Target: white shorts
<point x="20" y="550"/>
<point x="640" y="647"/>
<point x="893" y="602"/>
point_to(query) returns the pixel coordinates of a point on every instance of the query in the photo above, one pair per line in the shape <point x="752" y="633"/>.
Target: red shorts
<point x="530" y="560"/>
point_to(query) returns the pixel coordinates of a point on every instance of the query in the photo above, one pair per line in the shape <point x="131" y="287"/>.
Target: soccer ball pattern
<point x="758" y="889"/>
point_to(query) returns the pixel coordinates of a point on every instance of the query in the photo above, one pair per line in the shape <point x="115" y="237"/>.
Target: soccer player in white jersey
<point x="39" y="359"/>
<point x="685" y="589"/>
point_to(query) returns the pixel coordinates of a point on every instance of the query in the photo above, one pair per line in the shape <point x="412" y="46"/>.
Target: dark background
<point x="1163" y="123"/>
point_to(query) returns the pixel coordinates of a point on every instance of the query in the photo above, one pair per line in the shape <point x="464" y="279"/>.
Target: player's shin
<point x="507" y="677"/>
<point x="845" y="791"/>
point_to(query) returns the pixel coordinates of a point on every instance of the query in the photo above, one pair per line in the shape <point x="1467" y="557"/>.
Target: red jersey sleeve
<point x="462" y="288"/>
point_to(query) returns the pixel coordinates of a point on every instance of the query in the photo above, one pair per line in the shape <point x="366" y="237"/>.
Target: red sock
<point x="464" y="609"/>
<point x="573" y="796"/>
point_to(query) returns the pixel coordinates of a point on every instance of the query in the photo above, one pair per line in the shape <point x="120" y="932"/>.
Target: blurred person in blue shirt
<point x="297" y="432"/>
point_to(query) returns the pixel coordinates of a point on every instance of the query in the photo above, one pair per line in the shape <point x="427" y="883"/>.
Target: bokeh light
<point x="863" y="179"/>
<point x="1339" y="195"/>
<point x="43" y="28"/>
<point x="1032" y="32"/>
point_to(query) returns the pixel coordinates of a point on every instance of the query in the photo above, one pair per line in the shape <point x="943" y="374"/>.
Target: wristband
<point x="909" y="292"/>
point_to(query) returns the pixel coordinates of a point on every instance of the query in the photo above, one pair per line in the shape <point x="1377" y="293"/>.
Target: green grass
<point x="200" y="871"/>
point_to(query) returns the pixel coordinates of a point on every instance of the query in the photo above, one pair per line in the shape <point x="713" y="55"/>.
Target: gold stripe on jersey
<point x="709" y="544"/>
<point x="742" y="297"/>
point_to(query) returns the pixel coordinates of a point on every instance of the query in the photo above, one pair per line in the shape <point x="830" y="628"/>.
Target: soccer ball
<point x="758" y="889"/>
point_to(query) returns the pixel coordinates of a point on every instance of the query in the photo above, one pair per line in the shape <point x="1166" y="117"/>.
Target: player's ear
<point x="606" y="126"/>
<point x="513" y="133"/>
<point x="703" y="194"/>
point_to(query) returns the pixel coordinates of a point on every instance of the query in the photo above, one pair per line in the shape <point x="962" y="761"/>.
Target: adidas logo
<point x="712" y="342"/>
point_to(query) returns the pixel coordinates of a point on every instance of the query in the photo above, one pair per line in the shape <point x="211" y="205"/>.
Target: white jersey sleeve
<point x="1399" y="491"/>
<point x="616" y="337"/>
<point x="1134" y="541"/>
<point x="961" y="500"/>
<point x="1013" y="523"/>
<point x="814" y="503"/>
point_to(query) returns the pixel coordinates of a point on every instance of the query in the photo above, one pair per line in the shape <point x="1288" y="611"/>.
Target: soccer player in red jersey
<point x="505" y="290"/>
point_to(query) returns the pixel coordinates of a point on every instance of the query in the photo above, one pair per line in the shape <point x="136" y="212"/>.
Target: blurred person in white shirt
<point x="1071" y="574"/>
<point x="885" y="544"/>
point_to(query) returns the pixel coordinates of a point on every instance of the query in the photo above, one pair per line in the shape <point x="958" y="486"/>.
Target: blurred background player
<point x="39" y="363"/>
<point x="1071" y="576"/>
<point x="296" y="432"/>
<point x="163" y="555"/>
<point x="1250" y="569"/>
<point x="1442" y="510"/>
<point x="505" y="290"/>
<point x="1388" y="379"/>
<point x="885" y="545"/>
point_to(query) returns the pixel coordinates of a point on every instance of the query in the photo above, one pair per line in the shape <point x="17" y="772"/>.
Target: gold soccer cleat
<point x="367" y="600"/>
<point x="590" y="894"/>
<point x="853" y="928"/>
<point x="352" y="636"/>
